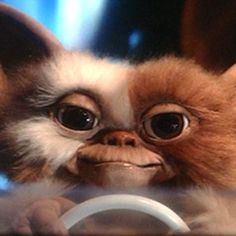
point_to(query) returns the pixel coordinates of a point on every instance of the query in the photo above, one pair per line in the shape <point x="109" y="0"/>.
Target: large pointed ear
<point x="22" y="39"/>
<point x="208" y="33"/>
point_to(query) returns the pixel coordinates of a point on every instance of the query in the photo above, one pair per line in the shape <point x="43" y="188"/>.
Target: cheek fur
<point x="40" y="138"/>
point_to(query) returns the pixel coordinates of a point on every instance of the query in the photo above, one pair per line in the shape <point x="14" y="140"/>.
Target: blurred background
<point x="135" y="29"/>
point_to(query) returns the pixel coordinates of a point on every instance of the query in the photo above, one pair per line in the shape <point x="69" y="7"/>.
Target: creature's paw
<point x="43" y="217"/>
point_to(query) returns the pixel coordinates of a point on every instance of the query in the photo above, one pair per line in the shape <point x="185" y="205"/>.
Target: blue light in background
<point x="29" y="7"/>
<point x="42" y="11"/>
<point x="79" y="21"/>
<point x="5" y="184"/>
<point x="135" y="39"/>
<point x="73" y="22"/>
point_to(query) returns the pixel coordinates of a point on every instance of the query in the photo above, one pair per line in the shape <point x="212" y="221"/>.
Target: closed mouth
<point x="86" y="160"/>
<point x="119" y="172"/>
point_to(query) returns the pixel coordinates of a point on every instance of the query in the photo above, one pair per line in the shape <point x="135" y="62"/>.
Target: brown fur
<point x="207" y="155"/>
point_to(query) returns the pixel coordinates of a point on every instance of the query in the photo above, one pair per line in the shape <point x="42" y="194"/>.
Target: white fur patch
<point x="41" y="138"/>
<point x="109" y="80"/>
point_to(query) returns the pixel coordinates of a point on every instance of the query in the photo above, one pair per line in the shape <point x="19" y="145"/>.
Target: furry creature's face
<point x="87" y="120"/>
<point x="91" y="121"/>
<point x="186" y="115"/>
<point x="53" y="109"/>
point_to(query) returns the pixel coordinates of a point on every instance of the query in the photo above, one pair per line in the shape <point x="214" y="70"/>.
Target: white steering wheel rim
<point x="125" y="201"/>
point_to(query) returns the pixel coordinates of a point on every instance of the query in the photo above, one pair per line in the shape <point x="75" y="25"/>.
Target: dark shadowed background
<point x="119" y="28"/>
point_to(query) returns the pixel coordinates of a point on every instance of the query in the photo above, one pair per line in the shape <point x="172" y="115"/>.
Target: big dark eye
<point x="166" y="125"/>
<point x="76" y="118"/>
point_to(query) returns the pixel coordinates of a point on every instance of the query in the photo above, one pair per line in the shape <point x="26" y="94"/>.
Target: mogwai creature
<point x="187" y="124"/>
<point x="72" y="118"/>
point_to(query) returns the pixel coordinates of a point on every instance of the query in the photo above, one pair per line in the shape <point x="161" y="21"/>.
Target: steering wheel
<point x="125" y="201"/>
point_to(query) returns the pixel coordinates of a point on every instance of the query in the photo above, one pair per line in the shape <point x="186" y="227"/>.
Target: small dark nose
<point x="120" y="138"/>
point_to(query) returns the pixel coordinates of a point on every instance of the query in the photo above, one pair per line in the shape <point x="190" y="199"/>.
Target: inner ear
<point x="22" y="39"/>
